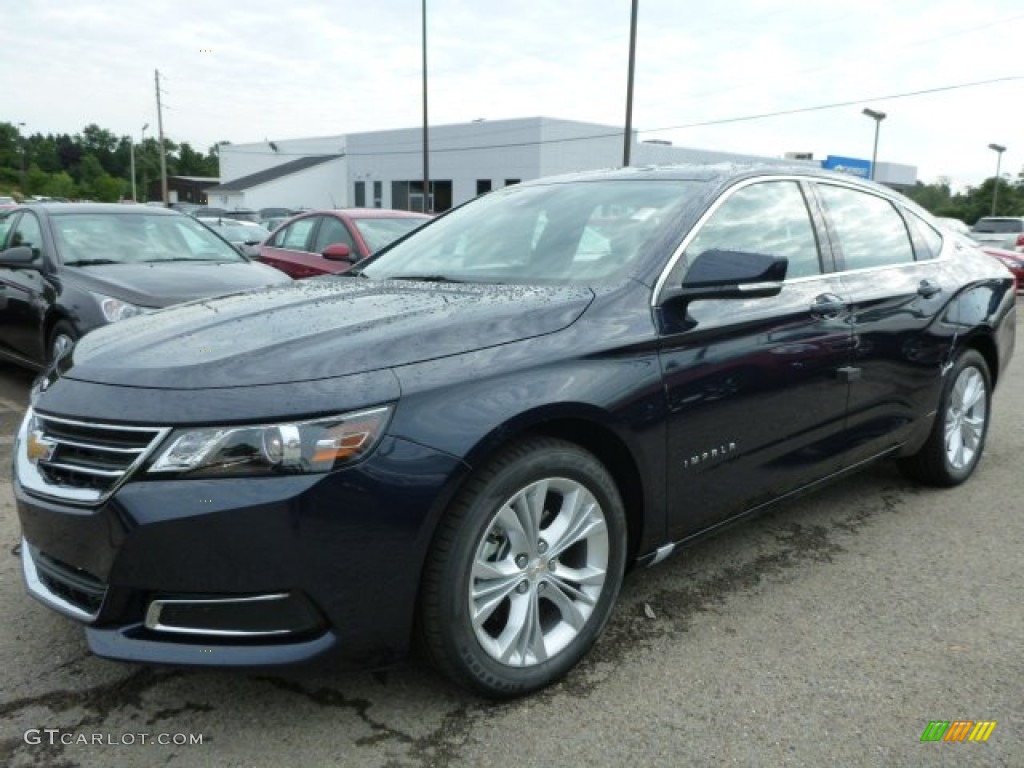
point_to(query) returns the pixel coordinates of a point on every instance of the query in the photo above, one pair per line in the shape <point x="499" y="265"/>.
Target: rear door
<point x="755" y="387"/>
<point x="290" y="249"/>
<point x="898" y="290"/>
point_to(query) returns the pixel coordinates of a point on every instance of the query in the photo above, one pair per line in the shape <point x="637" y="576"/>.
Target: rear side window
<point x="295" y="236"/>
<point x="870" y="230"/>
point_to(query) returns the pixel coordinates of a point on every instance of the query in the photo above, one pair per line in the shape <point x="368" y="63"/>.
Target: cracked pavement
<point x="827" y="632"/>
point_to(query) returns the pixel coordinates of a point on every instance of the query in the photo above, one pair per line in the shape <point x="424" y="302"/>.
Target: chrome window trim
<point x="152" y="620"/>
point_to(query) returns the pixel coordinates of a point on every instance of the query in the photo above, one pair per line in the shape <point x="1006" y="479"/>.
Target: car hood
<point x="173" y="282"/>
<point x="316" y="329"/>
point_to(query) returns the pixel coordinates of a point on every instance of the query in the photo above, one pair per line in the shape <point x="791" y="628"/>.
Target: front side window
<point x="769" y="218"/>
<point x="871" y="232"/>
<point x="571" y="233"/>
<point x="331" y="232"/>
<point x="27" y="232"/>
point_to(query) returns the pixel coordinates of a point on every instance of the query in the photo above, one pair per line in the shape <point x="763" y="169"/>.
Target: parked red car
<point x="325" y="242"/>
<point x="1013" y="261"/>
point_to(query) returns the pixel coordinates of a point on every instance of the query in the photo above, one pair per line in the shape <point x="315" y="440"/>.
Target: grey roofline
<point x="270" y="174"/>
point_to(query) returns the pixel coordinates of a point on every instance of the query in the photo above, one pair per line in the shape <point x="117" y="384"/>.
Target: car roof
<point x="59" y="209"/>
<point x="374" y="213"/>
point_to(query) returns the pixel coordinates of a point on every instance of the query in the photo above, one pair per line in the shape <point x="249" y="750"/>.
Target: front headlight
<point x="289" y="448"/>
<point x="115" y="309"/>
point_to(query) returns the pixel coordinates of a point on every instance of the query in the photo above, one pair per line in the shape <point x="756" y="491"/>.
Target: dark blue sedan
<point x="472" y="436"/>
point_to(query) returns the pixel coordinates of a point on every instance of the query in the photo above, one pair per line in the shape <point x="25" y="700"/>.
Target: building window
<point x="510" y="182"/>
<point x="483" y="186"/>
<point x="378" y="194"/>
<point x="360" y="194"/>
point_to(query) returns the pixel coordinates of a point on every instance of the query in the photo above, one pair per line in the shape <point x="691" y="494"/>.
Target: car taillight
<point x="1020" y="241"/>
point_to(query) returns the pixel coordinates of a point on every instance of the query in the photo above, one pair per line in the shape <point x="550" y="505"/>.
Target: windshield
<point x="379" y="232"/>
<point x="573" y="232"/>
<point x="123" y="238"/>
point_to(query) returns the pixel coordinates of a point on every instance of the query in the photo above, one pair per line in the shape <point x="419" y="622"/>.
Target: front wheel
<point x="957" y="441"/>
<point x="525" y="569"/>
<point x="62" y="338"/>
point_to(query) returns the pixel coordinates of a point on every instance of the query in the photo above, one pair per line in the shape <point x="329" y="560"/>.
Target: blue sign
<point x="851" y="165"/>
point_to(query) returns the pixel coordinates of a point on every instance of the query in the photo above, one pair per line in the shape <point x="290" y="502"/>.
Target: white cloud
<point x="264" y="69"/>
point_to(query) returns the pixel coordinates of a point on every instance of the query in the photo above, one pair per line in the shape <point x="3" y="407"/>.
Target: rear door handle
<point x="928" y="288"/>
<point x="827" y="306"/>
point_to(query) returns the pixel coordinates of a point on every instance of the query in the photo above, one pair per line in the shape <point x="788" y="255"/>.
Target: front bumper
<point x="244" y="571"/>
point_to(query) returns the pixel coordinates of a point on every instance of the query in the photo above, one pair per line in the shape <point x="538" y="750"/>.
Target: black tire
<point x="62" y="330"/>
<point x="957" y="440"/>
<point x="481" y="529"/>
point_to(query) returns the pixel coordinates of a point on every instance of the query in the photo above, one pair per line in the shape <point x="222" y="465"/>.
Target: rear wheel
<point x="525" y="569"/>
<point x="957" y="441"/>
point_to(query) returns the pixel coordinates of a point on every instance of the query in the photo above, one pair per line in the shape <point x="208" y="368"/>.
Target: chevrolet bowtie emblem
<point x="38" y="447"/>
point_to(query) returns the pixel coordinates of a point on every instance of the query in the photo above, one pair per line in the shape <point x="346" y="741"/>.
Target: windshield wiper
<point x="90" y="262"/>
<point x="426" y="278"/>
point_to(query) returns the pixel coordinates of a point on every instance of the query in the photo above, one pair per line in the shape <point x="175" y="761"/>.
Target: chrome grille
<point x="77" y="461"/>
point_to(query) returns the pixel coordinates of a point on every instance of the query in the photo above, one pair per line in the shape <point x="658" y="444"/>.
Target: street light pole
<point x="878" y="117"/>
<point x="998" y="149"/>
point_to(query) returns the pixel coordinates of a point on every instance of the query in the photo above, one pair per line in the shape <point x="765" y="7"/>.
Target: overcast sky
<point x="272" y="69"/>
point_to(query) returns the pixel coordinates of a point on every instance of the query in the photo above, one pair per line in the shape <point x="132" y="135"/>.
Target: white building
<point x="385" y="168"/>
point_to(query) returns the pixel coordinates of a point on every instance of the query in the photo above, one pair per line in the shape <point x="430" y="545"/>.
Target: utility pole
<point x="163" y="148"/>
<point x="427" y="207"/>
<point x="627" y="140"/>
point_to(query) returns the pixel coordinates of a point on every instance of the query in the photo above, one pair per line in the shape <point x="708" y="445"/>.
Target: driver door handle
<point x="827" y="306"/>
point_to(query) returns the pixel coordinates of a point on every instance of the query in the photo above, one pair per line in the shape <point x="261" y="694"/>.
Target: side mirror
<point x="339" y="252"/>
<point x="19" y="257"/>
<point x="719" y="274"/>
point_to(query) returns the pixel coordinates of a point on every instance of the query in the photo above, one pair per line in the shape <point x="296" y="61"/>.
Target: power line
<point x="701" y="124"/>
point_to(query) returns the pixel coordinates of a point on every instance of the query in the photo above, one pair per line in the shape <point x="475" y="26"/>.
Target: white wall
<point x="495" y="150"/>
<point x="322" y="186"/>
<point x="237" y="160"/>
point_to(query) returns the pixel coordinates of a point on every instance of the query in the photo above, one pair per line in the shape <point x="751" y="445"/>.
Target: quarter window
<point x="927" y="242"/>
<point x="871" y="232"/>
<point x="770" y="218"/>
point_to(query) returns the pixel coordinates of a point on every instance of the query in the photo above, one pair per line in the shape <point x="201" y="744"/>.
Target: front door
<point x="756" y="387"/>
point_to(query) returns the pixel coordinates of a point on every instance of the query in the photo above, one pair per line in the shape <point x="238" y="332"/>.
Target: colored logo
<point x="958" y="730"/>
<point x="38" y="447"/>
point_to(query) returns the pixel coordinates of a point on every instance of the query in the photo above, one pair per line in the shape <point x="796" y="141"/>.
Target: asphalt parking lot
<point x="829" y="632"/>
